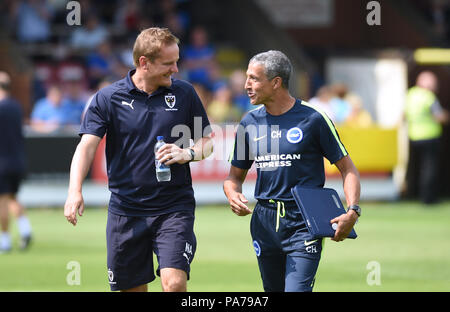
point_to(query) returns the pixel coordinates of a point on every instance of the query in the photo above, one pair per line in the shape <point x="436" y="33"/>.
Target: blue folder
<point x="318" y="207"/>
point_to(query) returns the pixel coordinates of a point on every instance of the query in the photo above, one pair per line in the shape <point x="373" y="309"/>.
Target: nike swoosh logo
<point x="260" y="138"/>
<point x="128" y="104"/>
<point x="310" y="242"/>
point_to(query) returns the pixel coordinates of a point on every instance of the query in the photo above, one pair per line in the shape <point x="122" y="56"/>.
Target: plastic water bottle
<point x="162" y="171"/>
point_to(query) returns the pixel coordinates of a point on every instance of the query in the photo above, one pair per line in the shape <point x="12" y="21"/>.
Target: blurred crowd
<point x="342" y="106"/>
<point x="72" y="62"/>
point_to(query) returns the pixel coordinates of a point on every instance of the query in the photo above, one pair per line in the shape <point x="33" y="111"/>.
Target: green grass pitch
<point x="401" y="247"/>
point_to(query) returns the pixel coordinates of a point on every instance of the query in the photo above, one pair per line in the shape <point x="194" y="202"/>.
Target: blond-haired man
<point x="144" y="216"/>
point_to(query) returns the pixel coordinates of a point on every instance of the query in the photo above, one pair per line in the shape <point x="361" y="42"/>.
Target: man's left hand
<point x="170" y="154"/>
<point x="345" y="223"/>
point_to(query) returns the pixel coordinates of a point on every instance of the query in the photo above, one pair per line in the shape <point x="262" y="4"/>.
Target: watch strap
<point x="192" y="152"/>
<point x="356" y="208"/>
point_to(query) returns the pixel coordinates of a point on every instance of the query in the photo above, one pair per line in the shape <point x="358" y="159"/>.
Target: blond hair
<point x="150" y="41"/>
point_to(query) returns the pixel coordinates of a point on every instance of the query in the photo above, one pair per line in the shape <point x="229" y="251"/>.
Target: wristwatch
<point x="356" y="208"/>
<point x="192" y="152"/>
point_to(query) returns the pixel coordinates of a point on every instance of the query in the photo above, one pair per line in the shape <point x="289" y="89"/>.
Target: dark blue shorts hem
<point x="116" y="287"/>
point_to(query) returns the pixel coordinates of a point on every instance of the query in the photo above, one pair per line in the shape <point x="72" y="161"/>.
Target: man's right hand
<point x="74" y="204"/>
<point x="238" y="204"/>
<point x="81" y="162"/>
<point x="232" y="187"/>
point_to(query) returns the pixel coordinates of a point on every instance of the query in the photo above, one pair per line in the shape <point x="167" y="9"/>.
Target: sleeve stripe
<point x="330" y="124"/>
<point x="230" y="159"/>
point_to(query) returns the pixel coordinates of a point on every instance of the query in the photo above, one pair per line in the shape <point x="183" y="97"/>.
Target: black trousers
<point x="423" y="170"/>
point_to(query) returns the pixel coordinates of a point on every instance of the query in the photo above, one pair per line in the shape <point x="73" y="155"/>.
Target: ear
<point x="143" y="62"/>
<point x="277" y="83"/>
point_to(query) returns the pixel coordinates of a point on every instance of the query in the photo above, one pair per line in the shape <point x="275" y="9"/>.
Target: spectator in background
<point x="221" y="108"/>
<point x="12" y="167"/>
<point x="103" y="62"/>
<point x="47" y="113"/>
<point x="358" y="117"/>
<point x="239" y="97"/>
<point x="57" y="110"/>
<point x="424" y="116"/>
<point x="89" y="35"/>
<point x="199" y="58"/>
<point x="322" y="101"/>
<point x="341" y="108"/>
<point x="74" y="100"/>
<point x="33" y="20"/>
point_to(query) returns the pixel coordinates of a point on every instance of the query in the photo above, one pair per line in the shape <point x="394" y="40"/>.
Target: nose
<point x="247" y="84"/>
<point x="174" y="68"/>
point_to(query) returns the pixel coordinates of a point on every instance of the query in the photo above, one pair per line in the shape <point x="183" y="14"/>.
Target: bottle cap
<point x="159" y="137"/>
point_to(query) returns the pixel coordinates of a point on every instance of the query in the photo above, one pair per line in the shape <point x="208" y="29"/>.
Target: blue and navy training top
<point x="131" y="120"/>
<point x="287" y="149"/>
<point x="12" y="149"/>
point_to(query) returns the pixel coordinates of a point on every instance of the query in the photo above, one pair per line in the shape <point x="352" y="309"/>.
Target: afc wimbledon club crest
<point x="170" y="101"/>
